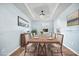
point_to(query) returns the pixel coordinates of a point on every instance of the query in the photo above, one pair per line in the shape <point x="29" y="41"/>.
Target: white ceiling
<point x="51" y="10"/>
<point x="36" y="10"/>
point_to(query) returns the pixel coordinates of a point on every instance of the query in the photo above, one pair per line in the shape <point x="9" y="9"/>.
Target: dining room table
<point x="40" y="40"/>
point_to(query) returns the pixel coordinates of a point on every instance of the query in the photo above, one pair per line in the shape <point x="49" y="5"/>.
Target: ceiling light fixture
<point x="42" y="15"/>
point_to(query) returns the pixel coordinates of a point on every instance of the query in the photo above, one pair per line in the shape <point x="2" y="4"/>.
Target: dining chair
<point x="57" y="47"/>
<point x="30" y="47"/>
<point x="54" y="35"/>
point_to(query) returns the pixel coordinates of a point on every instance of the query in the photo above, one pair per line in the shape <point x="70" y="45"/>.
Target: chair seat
<point x="56" y="45"/>
<point x="30" y="47"/>
<point x="55" y="48"/>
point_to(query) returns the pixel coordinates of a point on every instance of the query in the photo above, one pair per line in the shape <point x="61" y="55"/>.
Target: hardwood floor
<point x="66" y="52"/>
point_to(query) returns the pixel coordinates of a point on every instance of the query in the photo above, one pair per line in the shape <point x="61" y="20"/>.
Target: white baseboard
<point x="13" y="51"/>
<point x="72" y="50"/>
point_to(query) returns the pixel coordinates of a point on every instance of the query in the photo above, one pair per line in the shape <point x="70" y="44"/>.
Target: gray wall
<point x="9" y="30"/>
<point x="71" y="33"/>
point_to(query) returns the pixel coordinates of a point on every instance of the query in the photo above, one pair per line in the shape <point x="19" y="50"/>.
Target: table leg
<point x="38" y="48"/>
<point x="25" y="50"/>
<point x="45" y="53"/>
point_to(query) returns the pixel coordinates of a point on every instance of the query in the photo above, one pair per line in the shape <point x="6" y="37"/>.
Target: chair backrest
<point x="27" y="37"/>
<point x="24" y="37"/>
<point x="60" y="38"/>
<point x="54" y="35"/>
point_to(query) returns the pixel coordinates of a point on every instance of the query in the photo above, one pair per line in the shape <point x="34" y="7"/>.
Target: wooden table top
<point x="42" y="40"/>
